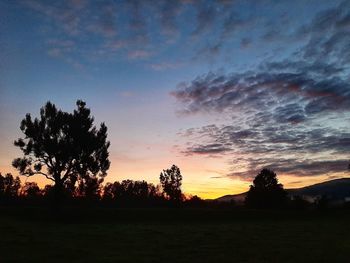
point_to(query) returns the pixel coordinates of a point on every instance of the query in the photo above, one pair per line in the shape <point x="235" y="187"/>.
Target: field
<point x="173" y="235"/>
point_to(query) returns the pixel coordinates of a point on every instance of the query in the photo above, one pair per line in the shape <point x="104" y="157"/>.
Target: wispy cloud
<point x="138" y="54"/>
<point x="165" y="66"/>
<point x="203" y="29"/>
<point x="291" y="115"/>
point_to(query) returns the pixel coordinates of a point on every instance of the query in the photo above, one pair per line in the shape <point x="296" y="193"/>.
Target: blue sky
<point x="221" y="88"/>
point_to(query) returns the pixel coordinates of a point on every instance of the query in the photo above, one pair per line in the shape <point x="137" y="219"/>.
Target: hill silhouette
<point x="335" y="189"/>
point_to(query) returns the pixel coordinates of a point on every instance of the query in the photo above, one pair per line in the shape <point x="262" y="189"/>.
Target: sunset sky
<point x="220" y="88"/>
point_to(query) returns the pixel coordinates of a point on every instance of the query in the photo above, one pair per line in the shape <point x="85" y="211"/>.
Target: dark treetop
<point x="63" y="146"/>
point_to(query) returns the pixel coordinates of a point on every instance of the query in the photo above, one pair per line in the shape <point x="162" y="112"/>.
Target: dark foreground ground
<point x="173" y="235"/>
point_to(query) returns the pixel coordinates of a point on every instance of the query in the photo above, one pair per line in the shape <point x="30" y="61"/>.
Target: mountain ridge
<point x="336" y="189"/>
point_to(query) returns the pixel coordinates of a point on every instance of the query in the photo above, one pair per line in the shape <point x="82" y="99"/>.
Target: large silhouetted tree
<point x="266" y="192"/>
<point x="171" y="180"/>
<point x="63" y="146"/>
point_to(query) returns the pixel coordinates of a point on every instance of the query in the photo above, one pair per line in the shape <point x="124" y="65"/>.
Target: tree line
<point x="126" y="192"/>
<point x="69" y="150"/>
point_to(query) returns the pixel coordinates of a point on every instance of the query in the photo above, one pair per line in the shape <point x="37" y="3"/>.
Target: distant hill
<point x="334" y="189"/>
<point x="238" y="198"/>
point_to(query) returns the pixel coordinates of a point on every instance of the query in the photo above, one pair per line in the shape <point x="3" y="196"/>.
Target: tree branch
<point x="68" y="171"/>
<point x="28" y="174"/>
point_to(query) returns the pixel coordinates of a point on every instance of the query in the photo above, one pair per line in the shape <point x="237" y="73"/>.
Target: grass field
<point x="173" y="235"/>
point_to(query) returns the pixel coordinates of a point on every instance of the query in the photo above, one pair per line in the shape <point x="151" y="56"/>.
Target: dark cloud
<point x="328" y="35"/>
<point x="290" y="115"/>
<point x="294" y="167"/>
<point x="207" y="149"/>
<point x="295" y="150"/>
<point x="268" y="91"/>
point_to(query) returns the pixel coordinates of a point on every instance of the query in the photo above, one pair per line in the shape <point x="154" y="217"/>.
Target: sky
<point x="220" y="88"/>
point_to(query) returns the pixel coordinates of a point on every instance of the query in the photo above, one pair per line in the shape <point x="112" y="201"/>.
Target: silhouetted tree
<point x="31" y="190"/>
<point x="108" y="191"/>
<point x="89" y="187"/>
<point x="134" y="189"/>
<point x="63" y="146"/>
<point x="9" y="186"/>
<point x="171" y="180"/>
<point x="131" y="191"/>
<point x="266" y="192"/>
<point x="195" y="201"/>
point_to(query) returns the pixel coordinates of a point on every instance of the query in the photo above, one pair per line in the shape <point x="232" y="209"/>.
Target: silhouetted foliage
<point x="63" y="146"/>
<point x="70" y="187"/>
<point x="299" y="203"/>
<point x="171" y="180"/>
<point x="195" y="201"/>
<point x="48" y="191"/>
<point x="9" y="186"/>
<point x="30" y="190"/>
<point x="129" y="191"/>
<point x="266" y="192"/>
<point x="89" y="187"/>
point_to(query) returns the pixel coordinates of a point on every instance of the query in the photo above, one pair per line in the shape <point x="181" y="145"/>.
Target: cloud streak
<point x="205" y="29"/>
<point x="292" y="115"/>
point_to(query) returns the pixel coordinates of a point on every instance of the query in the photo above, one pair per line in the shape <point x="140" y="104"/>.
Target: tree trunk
<point x="58" y="194"/>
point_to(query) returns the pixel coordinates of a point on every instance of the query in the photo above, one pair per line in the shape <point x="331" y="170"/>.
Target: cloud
<point x="155" y="25"/>
<point x="138" y="54"/>
<point x="169" y="13"/>
<point x="269" y="90"/>
<point x="215" y="148"/>
<point x="104" y="22"/>
<point x="291" y="115"/>
<point x="66" y="15"/>
<point x="205" y="16"/>
<point x="234" y="22"/>
<point x="294" y="167"/>
<point x="164" y="66"/>
<point x="328" y="35"/>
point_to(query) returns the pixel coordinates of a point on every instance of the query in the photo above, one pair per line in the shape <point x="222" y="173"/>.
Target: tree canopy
<point x="63" y="146"/>
<point x="266" y="192"/>
<point x="171" y="180"/>
<point x="9" y="186"/>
